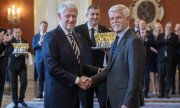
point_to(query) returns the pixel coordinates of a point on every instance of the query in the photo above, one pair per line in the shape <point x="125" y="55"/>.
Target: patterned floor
<point x="152" y="102"/>
<point x="165" y="103"/>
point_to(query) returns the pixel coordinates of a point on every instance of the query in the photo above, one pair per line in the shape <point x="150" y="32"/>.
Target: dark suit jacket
<point x="16" y="63"/>
<point x="62" y="69"/>
<point x="171" y="45"/>
<point x="150" y="55"/>
<point x="2" y="47"/>
<point x="92" y="57"/>
<point x="124" y="73"/>
<point x="37" y="48"/>
<point x="178" y="51"/>
<point x="4" y="59"/>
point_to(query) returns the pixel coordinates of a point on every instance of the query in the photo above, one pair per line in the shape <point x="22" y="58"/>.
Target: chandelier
<point x="14" y="15"/>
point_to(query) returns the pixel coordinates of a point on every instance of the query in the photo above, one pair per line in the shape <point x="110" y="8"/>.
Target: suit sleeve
<point x="50" y="57"/>
<point x="89" y="70"/>
<point x="99" y="78"/>
<point x="2" y="47"/>
<point x="35" y="43"/>
<point x="136" y="62"/>
<point x="9" y="49"/>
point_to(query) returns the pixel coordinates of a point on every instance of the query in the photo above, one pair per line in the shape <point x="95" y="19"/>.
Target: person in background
<point x="149" y="42"/>
<point x="177" y="32"/>
<point x="167" y="44"/>
<point x="8" y="51"/>
<point x="17" y="67"/>
<point x="93" y="57"/>
<point x="125" y="69"/>
<point x="4" y="42"/>
<point x="136" y="25"/>
<point x="158" y="29"/>
<point x="39" y="65"/>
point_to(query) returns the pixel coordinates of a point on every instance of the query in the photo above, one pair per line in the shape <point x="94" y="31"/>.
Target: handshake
<point x="84" y="82"/>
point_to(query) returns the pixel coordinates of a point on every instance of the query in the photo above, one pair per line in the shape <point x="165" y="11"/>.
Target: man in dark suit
<point x="17" y="66"/>
<point x="124" y="73"/>
<point x="136" y="25"/>
<point x="93" y="57"/>
<point x="5" y="48"/>
<point x="63" y="57"/>
<point x="4" y="40"/>
<point x="39" y="65"/>
<point x="167" y="44"/>
<point x="148" y="41"/>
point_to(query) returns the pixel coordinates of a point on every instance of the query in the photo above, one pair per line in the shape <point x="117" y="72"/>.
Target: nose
<point x="95" y="16"/>
<point x="71" y="18"/>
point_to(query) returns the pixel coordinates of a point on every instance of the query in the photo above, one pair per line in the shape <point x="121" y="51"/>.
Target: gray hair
<point x="67" y="5"/>
<point x="120" y="7"/>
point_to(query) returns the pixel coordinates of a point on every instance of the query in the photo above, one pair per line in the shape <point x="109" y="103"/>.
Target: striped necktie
<point x="74" y="46"/>
<point x="115" y="45"/>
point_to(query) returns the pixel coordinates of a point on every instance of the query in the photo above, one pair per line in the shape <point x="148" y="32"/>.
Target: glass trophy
<point x="104" y="40"/>
<point x="20" y="48"/>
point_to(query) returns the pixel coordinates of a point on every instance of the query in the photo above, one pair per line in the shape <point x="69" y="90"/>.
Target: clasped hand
<point x="84" y="82"/>
<point x="5" y="38"/>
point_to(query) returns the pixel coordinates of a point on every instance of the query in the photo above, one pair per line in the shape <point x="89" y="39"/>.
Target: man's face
<point x="142" y="25"/>
<point x="168" y="28"/>
<point x="17" y="32"/>
<point x="43" y="27"/>
<point x="93" y="16"/>
<point x="136" y="22"/>
<point x="68" y="18"/>
<point x="118" y="21"/>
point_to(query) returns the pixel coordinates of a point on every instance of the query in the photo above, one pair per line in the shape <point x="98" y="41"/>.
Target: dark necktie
<point x="74" y="46"/>
<point x="165" y="52"/>
<point x="93" y="42"/>
<point x="115" y="45"/>
<point x="18" y="41"/>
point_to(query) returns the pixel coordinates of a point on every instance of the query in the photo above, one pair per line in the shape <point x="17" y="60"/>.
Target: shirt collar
<point x="143" y="30"/>
<point x="17" y="38"/>
<point x="121" y="34"/>
<point x="64" y="29"/>
<point x="89" y="27"/>
<point x="136" y="29"/>
<point x="41" y="33"/>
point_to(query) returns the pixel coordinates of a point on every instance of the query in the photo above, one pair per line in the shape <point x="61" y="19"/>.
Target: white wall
<point x="48" y="10"/>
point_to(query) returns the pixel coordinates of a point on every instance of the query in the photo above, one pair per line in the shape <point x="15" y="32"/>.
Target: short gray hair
<point x="120" y="7"/>
<point x="67" y="5"/>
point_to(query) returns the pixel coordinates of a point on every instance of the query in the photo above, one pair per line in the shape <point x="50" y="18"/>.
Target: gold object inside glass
<point x="105" y="39"/>
<point x="20" y="47"/>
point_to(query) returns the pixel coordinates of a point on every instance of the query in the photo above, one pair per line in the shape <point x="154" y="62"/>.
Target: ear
<point x="59" y="16"/>
<point x="86" y="14"/>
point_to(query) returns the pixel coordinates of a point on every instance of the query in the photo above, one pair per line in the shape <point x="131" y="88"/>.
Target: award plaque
<point x="104" y="40"/>
<point x="20" y="48"/>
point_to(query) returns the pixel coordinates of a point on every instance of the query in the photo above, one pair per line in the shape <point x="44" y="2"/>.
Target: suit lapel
<point x="65" y="40"/>
<point x="119" y="47"/>
<point x="76" y="37"/>
<point x="86" y="32"/>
